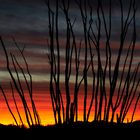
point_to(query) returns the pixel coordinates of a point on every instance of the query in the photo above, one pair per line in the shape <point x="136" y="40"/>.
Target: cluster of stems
<point x="114" y="82"/>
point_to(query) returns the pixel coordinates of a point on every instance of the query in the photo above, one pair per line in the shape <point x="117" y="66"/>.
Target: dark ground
<point x="94" y="130"/>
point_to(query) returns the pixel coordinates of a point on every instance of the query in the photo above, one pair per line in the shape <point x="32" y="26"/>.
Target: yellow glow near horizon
<point x="44" y="107"/>
<point x="47" y="118"/>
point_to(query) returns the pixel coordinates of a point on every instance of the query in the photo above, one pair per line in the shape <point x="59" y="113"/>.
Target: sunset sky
<point x="27" y="22"/>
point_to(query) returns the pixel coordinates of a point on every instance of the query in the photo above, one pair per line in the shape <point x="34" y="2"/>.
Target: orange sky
<point x="43" y="104"/>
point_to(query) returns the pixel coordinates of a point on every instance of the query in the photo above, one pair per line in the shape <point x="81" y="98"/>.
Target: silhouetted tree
<point x="31" y="119"/>
<point x="54" y="60"/>
<point x="112" y="89"/>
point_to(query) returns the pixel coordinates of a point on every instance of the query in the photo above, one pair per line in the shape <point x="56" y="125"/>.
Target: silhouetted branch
<point x="9" y="108"/>
<point x="13" y="95"/>
<point x="19" y="87"/>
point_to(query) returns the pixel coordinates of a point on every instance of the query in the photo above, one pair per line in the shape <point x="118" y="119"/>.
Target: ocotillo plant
<point x="54" y="60"/>
<point x="112" y="89"/>
<point x="32" y="116"/>
<point x="125" y="92"/>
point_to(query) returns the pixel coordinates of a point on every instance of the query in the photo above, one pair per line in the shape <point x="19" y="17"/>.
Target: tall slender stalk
<point x="31" y="120"/>
<point x="9" y="108"/>
<point x="19" y="114"/>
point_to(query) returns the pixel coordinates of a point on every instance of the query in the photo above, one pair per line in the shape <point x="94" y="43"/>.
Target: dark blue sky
<point x="27" y="21"/>
<point x="30" y="17"/>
